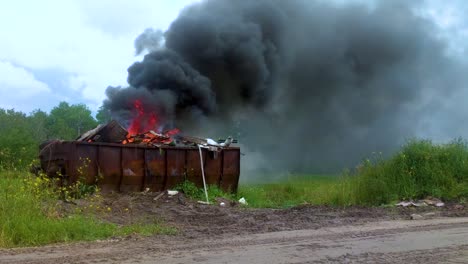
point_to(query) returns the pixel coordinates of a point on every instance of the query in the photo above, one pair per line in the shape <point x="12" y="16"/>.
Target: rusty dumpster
<point x="118" y="167"/>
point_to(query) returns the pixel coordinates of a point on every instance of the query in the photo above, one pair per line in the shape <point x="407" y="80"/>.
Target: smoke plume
<point x="304" y="85"/>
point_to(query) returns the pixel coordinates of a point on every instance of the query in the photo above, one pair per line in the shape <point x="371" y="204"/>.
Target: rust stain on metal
<point x="117" y="167"/>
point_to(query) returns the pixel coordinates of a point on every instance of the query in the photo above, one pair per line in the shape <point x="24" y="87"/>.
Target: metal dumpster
<point x="118" y="167"/>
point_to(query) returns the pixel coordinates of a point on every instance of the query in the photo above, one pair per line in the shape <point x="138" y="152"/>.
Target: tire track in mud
<point x="425" y="241"/>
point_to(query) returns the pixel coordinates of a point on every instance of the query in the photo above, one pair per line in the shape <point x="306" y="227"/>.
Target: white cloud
<point x="17" y="82"/>
<point x="92" y="41"/>
<point x="18" y="87"/>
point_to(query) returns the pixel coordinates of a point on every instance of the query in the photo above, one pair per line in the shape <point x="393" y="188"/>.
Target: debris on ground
<point x="159" y="196"/>
<point x="172" y="193"/>
<point x="416" y="217"/>
<point x="225" y="202"/>
<point x="408" y="204"/>
<point x="429" y="201"/>
<point x="242" y="201"/>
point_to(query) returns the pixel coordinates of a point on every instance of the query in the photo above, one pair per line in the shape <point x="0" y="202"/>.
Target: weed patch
<point x="196" y="193"/>
<point x="29" y="215"/>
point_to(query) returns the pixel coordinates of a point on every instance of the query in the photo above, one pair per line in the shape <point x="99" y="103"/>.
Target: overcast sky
<point x="71" y="50"/>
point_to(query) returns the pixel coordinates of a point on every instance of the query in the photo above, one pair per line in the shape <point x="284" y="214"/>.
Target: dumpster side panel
<point x="110" y="165"/>
<point x="193" y="167"/>
<point x="84" y="167"/>
<point x="119" y="167"/>
<point x="133" y="169"/>
<point x="231" y="169"/>
<point x="176" y="160"/>
<point x="155" y="161"/>
<point x="54" y="157"/>
<point x="212" y="163"/>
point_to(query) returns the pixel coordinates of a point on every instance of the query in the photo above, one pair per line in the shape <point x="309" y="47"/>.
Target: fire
<point x="142" y="128"/>
<point x="143" y="121"/>
<point x="172" y="132"/>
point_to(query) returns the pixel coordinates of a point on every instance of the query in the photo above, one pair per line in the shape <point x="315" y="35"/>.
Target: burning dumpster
<point x="148" y="160"/>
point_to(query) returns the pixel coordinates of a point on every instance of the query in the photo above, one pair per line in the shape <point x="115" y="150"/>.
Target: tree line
<point x="21" y="134"/>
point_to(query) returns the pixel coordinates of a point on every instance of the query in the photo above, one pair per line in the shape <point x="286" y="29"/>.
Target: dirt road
<point x="233" y="234"/>
<point x="441" y="240"/>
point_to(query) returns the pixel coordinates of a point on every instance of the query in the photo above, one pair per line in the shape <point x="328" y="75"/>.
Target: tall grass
<point x="29" y="217"/>
<point x="420" y="169"/>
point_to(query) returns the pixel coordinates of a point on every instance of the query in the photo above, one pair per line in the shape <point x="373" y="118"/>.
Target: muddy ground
<point x="234" y="234"/>
<point x="194" y="220"/>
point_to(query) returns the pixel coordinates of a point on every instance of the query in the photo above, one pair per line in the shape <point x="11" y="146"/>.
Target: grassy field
<point x="295" y="190"/>
<point x="420" y="169"/>
<point x="29" y="216"/>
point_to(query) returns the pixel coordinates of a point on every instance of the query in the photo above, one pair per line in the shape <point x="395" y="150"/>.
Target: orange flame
<point x="143" y="121"/>
<point x="142" y="128"/>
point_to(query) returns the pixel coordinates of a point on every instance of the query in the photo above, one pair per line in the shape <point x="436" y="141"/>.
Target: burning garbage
<point x="113" y="132"/>
<point x="142" y="157"/>
<point x="152" y="138"/>
<point x="145" y="129"/>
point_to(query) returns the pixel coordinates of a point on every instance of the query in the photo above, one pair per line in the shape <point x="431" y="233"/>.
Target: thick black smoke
<point x="165" y="84"/>
<point x="304" y="85"/>
<point x="150" y="40"/>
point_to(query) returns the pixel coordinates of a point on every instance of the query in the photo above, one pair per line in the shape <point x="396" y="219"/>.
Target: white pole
<point x="203" y="174"/>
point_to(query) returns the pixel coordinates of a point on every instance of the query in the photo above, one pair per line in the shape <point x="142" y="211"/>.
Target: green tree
<point x="18" y="145"/>
<point x="38" y="124"/>
<point x="103" y="115"/>
<point x="69" y="121"/>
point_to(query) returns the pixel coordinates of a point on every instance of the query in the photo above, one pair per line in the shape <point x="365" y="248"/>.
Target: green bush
<point x="420" y="169"/>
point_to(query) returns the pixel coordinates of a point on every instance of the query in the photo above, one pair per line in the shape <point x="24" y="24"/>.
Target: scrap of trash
<point x="113" y="132"/>
<point x="425" y="202"/>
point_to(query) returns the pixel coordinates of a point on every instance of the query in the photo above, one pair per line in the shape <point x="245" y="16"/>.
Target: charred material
<point x="113" y="132"/>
